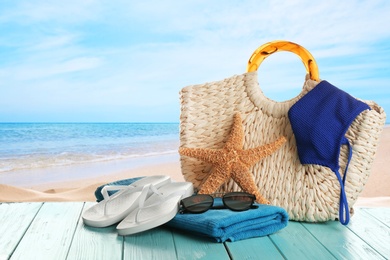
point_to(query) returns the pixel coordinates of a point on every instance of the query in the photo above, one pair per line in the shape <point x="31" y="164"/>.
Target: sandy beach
<point x="78" y="183"/>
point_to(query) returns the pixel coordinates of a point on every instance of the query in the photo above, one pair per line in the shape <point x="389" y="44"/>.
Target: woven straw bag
<point x="308" y="192"/>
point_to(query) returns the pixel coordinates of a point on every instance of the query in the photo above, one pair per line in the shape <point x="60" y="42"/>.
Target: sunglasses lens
<point x="197" y="203"/>
<point x="238" y="200"/>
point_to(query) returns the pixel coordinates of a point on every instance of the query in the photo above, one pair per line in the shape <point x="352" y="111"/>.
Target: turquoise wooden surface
<point x="50" y="233"/>
<point x="95" y="243"/>
<point x="14" y="221"/>
<point x="341" y="241"/>
<point x="254" y="248"/>
<point x="56" y="231"/>
<point x="374" y="232"/>
<point x="151" y="244"/>
<point x="382" y="214"/>
<point x="295" y="242"/>
<point x="193" y="247"/>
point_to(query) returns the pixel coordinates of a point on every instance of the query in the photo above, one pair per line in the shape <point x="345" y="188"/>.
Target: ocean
<point x="40" y="145"/>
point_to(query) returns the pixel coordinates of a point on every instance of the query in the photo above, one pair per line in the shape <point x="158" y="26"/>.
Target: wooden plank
<point x="382" y="214"/>
<point x="15" y="218"/>
<point x="254" y="248"/>
<point x="341" y="242"/>
<point x="194" y="247"/>
<point x="56" y="231"/>
<point x="50" y="233"/>
<point x="95" y="243"/>
<point x="372" y="231"/>
<point x="296" y="242"/>
<point x="156" y="243"/>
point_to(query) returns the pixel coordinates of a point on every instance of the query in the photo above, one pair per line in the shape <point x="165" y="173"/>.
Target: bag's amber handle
<point x="267" y="49"/>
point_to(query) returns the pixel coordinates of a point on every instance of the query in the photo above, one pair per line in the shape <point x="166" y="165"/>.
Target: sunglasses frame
<point x="184" y="208"/>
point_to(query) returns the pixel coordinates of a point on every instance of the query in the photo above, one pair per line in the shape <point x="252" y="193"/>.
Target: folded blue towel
<point x="224" y="224"/>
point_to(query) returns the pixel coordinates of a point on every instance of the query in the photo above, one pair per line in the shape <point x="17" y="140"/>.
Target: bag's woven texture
<point x="307" y="192"/>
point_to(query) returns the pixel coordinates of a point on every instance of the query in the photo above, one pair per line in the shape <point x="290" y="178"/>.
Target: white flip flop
<point x="156" y="210"/>
<point x="116" y="207"/>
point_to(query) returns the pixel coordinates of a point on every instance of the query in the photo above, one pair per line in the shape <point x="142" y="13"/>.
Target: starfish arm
<point x="252" y="156"/>
<point x="204" y="154"/>
<point x="236" y="136"/>
<point x="244" y="179"/>
<point x="217" y="177"/>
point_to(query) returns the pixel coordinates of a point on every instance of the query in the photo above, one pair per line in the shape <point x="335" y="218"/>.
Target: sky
<point x="126" y="61"/>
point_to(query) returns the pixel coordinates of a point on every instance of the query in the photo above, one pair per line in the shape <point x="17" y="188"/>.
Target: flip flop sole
<point x="157" y="210"/>
<point x="118" y="206"/>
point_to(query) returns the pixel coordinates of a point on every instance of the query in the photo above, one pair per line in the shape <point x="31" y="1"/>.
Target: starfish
<point x="232" y="161"/>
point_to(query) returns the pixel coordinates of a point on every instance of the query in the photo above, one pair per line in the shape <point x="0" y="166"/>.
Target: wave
<point x="40" y="145"/>
<point x="66" y="159"/>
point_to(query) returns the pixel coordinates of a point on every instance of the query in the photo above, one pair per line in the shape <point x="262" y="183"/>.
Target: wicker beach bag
<point x="309" y="192"/>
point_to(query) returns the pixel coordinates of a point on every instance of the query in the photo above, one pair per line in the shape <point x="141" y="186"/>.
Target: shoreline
<point x="78" y="182"/>
<point x="44" y="186"/>
<point x="69" y="176"/>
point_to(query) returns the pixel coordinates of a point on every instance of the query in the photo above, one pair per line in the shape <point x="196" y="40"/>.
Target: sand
<point x="78" y="183"/>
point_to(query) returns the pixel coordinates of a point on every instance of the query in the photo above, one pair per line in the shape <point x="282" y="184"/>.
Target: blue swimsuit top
<point x="319" y="121"/>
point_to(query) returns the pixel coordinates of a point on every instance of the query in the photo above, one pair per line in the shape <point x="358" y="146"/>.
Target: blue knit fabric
<point x="319" y="121"/>
<point x="223" y="224"/>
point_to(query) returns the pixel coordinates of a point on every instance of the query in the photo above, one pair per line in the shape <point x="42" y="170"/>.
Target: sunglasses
<point x="199" y="203"/>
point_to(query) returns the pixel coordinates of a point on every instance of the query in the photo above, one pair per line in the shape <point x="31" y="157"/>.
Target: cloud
<point x="138" y="54"/>
<point x="70" y="66"/>
<point x="40" y="11"/>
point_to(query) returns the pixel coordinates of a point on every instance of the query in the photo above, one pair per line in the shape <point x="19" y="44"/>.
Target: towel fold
<point x="224" y="224"/>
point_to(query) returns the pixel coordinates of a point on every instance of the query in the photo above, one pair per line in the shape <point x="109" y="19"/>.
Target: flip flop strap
<point x="161" y="197"/>
<point x="108" y="188"/>
<point x="108" y="198"/>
